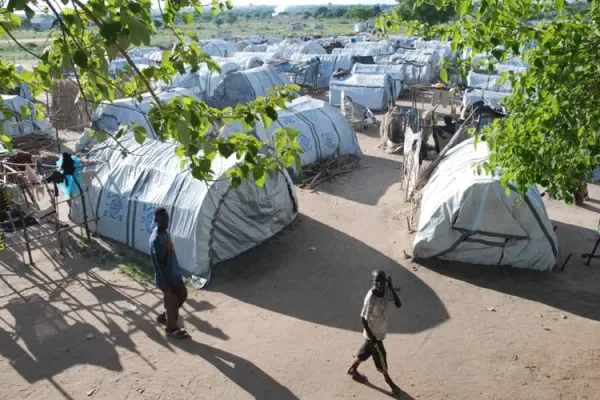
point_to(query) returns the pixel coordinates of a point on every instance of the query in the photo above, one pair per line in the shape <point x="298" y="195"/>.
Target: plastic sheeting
<point x="121" y="64"/>
<point x="244" y="62"/>
<point x="469" y="218"/>
<point x="109" y="116"/>
<point x="378" y="48"/>
<point x="396" y="72"/>
<point x="286" y="49"/>
<point x="491" y="82"/>
<point x="210" y="221"/>
<point x="22" y="89"/>
<point x="324" y="131"/>
<point x="219" y="48"/>
<point x="375" y="92"/>
<point x="366" y="51"/>
<point x="244" y="86"/>
<point x="204" y="81"/>
<point x="265" y="57"/>
<point x="143" y="51"/>
<point x="419" y="66"/>
<point x="488" y="97"/>
<point x="19" y="125"/>
<point x="329" y="64"/>
<point x="256" y="48"/>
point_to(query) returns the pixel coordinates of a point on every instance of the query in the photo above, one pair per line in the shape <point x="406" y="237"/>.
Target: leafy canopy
<point x="89" y="34"/>
<point x="551" y="137"/>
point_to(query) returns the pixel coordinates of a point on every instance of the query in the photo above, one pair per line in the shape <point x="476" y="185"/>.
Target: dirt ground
<point x="282" y="320"/>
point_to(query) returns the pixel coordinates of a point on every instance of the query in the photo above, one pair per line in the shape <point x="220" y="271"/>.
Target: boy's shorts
<point x="375" y="349"/>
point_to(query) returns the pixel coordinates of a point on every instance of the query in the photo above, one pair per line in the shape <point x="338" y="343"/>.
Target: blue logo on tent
<point x="304" y="142"/>
<point x="329" y="141"/>
<point x="147" y="220"/>
<point x="113" y="208"/>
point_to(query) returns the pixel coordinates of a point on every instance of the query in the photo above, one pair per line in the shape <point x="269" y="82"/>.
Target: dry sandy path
<point x="281" y="321"/>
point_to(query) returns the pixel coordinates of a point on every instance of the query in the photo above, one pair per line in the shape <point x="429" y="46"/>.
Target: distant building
<point x="318" y="26"/>
<point x="296" y="26"/>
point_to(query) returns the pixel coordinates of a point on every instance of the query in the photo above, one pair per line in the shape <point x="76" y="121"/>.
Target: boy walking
<point x="374" y="320"/>
<point x="167" y="275"/>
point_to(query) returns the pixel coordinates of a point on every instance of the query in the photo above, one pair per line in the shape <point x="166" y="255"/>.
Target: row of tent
<point x="211" y="222"/>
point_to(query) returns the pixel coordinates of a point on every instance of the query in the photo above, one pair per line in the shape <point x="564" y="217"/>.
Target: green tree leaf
<point x="188" y="17"/>
<point x="444" y="75"/>
<point x="140" y="134"/>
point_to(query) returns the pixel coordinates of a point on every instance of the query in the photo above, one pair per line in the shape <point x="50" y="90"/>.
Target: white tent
<point x="22" y="89"/>
<point x="286" y="49"/>
<point x="375" y="92"/>
<point x="469" y="218"/>
<point x="204" y="81"/>
<point x="420" y="66"/>
<point x="122" y="64"/>
<point x="20" y="125"/>
<point x="265" y="57"/>
<point x="108" y="116"/>
<point x="487" y="82"/>
<point x="488" y="97"/>
<point x="219" y="48"/>
<point x="363" y="52"/>
<point x="256" y="48"/>
<point x="210" y="221"/>
<point x="244" y="86"/>
<point x="323" y="130"/>
<point x="142" y="51"/>
<point x="396" y="72"/>
<point x="244" y="62"/>
<point x="379" y="48"/>
<point x="328" y="65"/>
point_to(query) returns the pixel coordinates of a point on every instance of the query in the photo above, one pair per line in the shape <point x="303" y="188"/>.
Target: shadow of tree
<point x="326" y="285"/>
<point x="574" y="291"/>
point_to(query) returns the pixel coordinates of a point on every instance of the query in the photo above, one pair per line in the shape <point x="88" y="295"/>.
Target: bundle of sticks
<point x="327" y="169"/>
<point x="32" y="142"/>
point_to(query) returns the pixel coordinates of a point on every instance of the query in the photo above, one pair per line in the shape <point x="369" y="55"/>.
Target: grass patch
<point x="137" y="271"/>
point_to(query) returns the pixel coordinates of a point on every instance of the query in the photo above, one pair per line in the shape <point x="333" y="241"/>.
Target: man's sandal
<point x="179" y="333"/>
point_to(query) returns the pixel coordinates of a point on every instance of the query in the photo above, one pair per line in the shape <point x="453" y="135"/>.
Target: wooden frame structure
<point x="15" y="175"/>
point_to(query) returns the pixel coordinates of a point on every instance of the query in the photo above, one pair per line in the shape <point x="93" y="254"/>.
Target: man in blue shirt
<point x="167" y="274"/>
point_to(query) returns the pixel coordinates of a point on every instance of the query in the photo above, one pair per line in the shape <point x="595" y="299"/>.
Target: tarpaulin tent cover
<point x="142" y="51"/>
<point x="490" y="82"/>
<point x="265" y="57"/>
<point x="488" y="97"/>
<point x="366" y="51"/>
<point x="375" y="92"/>
<point x="469" y="218"/>
<point x="329" y="64"/>
<point x="121" y="65"/>
<point x="243" y="61"/>
<point x="286" y="49"/>
<point x="210" y="221"/>
<point x="323" y="130"/>
<point x="204" y="81"/>
<point x="244" y="86"/>
<point x="420" y="66"/>
<point x="219" y="48"/>
<point x="20" y="125"/>
<point x="379" y="48"/>
<point x="255" y="48"/>
<point x="396" y="72"/>
<point x="108" y="116"/>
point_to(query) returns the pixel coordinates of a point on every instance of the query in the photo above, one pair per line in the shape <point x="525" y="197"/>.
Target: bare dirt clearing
<point x="282" y="321"/>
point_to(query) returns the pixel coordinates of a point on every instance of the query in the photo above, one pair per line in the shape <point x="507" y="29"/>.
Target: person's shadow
<point x="239" y="370"/>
